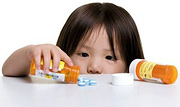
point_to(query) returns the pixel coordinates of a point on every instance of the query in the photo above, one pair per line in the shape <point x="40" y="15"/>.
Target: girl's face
<point x="94" y="56"/>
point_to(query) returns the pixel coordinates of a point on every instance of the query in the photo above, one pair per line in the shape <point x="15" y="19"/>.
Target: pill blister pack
<point x="85" y="81"/>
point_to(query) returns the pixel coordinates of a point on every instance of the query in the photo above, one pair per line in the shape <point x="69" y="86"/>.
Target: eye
<point x="110" y="58"/>
<point x="83" y="54"/>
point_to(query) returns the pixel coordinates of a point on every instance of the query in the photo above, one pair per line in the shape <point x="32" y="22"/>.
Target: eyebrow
<point x="88" y="47"/>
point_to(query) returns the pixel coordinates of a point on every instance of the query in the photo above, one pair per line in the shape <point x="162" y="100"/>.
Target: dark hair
<point x="119" y="25"/>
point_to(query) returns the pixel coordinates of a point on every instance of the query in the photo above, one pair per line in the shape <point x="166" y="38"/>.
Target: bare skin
<point x="18" y="63"/>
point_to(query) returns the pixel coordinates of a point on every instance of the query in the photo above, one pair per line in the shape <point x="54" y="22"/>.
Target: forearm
<point x="17" y="64"/>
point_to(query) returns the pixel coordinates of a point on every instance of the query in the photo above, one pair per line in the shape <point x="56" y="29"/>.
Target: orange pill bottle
<point x="153" y="72"/>
<point x="65" y="73"/>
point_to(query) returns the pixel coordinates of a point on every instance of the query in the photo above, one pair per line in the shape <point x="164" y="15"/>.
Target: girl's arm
<point x="18" y="63"/>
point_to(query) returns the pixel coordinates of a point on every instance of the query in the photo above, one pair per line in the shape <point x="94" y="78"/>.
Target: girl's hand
<point x="48" y="52"/>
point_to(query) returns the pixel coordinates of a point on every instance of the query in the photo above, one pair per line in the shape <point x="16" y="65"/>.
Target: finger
<point x="65" y="57"/>
<point x="56" y="60"/>
<point x="46" y="59"/>
<point x="37" y="59"/>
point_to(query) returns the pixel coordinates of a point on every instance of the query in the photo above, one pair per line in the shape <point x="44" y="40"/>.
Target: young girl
<point x="101" y="38"/>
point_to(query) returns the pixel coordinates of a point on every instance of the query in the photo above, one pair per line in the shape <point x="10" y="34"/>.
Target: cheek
<point x="81" y="63"/>
<point x="83" y="67"/>
<point x="114" y="68"/>
<point x="120" y="69"/>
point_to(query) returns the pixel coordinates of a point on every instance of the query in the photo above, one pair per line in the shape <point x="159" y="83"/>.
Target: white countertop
<point x="37" y="92"/>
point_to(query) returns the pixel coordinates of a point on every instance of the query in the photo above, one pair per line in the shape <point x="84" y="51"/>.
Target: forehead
<point x="96" y="38"/>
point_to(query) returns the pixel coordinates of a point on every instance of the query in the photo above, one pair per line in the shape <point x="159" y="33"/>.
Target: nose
<point x="94" y="67"/>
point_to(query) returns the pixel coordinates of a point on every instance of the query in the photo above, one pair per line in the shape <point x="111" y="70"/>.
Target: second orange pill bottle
<point x="150" y="71"/>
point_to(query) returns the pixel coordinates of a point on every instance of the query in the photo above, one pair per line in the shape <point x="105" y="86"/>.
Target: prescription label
<point x="146" y="70"/>
<point x="50" y="75"/>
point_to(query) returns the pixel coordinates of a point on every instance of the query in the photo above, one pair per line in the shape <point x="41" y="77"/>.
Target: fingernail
<point x="55" y="69"/>
<point x="71" y="64"/>
<point x="38" y="67"/>
<point x="46" y="71"/>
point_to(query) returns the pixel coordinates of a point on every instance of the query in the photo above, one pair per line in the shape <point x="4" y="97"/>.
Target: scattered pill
<point x="92" y="82"/>
<point x="81" y="83"/>
<point x="80" y="79"/>
<point x="84" y="81"/>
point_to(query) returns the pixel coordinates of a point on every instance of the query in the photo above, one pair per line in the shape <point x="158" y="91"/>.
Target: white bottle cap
<point x="132" y="67"/>
<point x="122" y="79"/>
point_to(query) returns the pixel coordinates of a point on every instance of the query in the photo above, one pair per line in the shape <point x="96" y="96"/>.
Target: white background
<point x="24" y="22"/>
